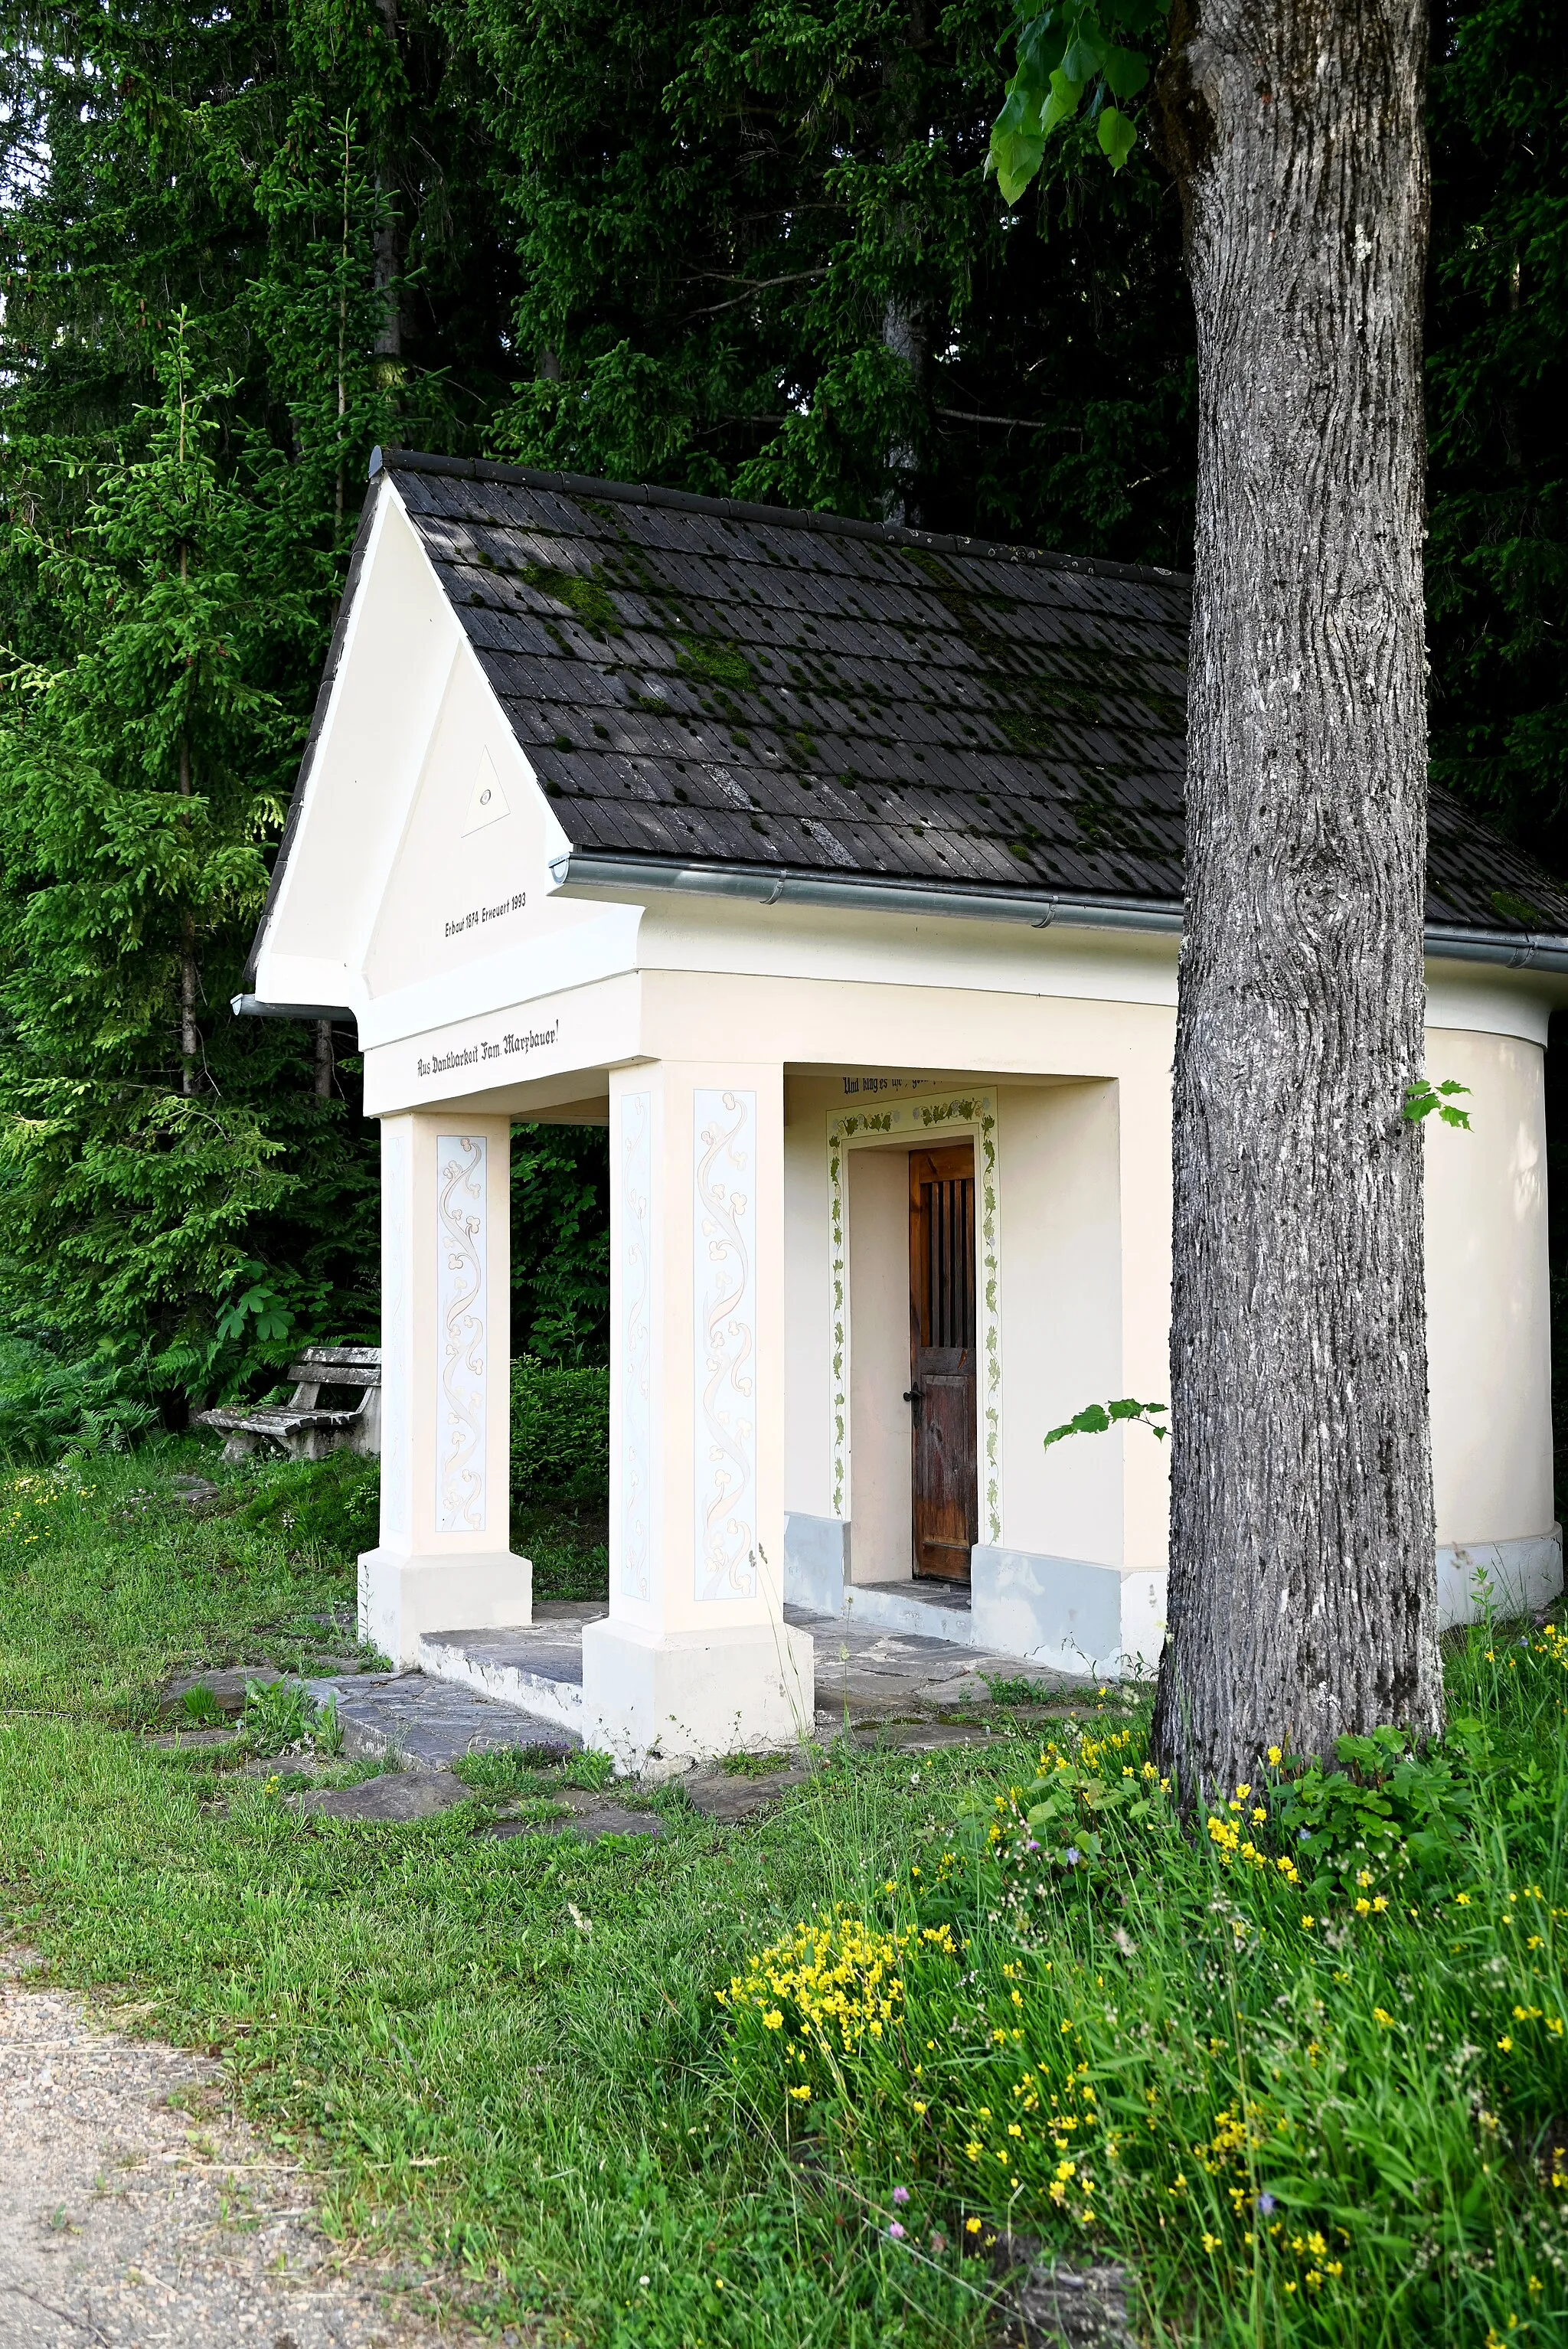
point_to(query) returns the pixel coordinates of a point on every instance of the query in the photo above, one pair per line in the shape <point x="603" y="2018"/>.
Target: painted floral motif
<point x="974" y="1112"/>
<point x="724" y="1302"/>
<point x="460" y="1324"/>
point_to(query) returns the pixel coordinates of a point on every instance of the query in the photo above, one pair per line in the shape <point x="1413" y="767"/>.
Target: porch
<point x="810" y="1423"/>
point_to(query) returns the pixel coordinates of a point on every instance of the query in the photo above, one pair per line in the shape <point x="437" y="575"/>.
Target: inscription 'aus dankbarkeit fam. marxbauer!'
<point x="476" y="915"/>
<point x="474" y="1056"/>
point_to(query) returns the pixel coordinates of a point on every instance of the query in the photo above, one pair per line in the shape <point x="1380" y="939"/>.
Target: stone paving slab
<point x="876" y="1684"/>
<point x="426" y="1723"/>
<point x="868" y="1674"/>
<point x="603" y="1818"/>
<point x="227" y="1689"/>
<point x="393" y="1798"/>
<point x="193" y="1741"/>
<point x="726" y="1796"/>
<point x="552" y="1645"/>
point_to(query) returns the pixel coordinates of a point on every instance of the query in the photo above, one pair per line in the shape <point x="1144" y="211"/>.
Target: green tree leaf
<point x="1116" y="136"/>
<point x="1126" y="72"/>
<point x="1095" y="1418"/>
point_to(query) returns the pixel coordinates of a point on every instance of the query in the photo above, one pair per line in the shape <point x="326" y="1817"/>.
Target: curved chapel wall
<point x="1488" y="1331"/>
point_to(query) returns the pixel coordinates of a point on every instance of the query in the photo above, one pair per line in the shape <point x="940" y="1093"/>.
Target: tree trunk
<point x="906" y="322"/>
<point x="323" y="1060"/>
<point x="1303" y="1587"/>
<point x="190" y="1034"/>
<point x="390" y="335"/>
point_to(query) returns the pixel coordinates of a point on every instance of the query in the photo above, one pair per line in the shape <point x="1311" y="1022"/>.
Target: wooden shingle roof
<point x="727" y="685"/>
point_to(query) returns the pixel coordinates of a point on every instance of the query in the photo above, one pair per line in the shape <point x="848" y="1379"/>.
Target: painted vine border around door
<point x="972" y="1112"/>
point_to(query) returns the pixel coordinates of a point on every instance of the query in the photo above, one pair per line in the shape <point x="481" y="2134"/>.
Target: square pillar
<point x="695" y="1657"/>
<point x="443" y="1562"/>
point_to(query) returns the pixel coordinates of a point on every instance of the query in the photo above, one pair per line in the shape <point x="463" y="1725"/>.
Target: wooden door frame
<point x="902" y="1123"/>
<point x="949" y="1158"/>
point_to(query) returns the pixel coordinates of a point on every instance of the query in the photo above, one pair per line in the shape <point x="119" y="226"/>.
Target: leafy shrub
<point x="332" y="1505"/>
<point x="48" y="1406"/>
<point x="559" y="1456"/>
<point x="560" y="1432"/>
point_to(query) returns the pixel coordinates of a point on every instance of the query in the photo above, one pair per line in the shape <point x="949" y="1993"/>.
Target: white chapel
<point x="836" y="868"/>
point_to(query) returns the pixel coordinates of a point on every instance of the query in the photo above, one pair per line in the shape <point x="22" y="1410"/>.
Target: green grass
<point x="507" y="2056"/>
<point x="509" y="2060"/>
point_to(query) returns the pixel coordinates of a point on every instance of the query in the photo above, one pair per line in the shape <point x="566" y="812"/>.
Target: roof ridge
<point x="579" y="485"/>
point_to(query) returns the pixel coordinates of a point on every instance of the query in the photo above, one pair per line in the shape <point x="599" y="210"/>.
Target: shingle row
<point x="726" y="685"/>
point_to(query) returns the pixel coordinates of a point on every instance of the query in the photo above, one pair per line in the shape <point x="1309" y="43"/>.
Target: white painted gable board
<point x="400" y="642"/>
<point x="471" y="877"/>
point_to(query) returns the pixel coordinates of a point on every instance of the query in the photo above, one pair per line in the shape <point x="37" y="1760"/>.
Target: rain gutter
<point x="763" y="885"/>
<point x="255" y="1007"/>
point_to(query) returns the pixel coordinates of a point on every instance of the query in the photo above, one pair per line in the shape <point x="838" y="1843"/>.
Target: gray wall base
<point x="1523" y="1576"/>
<point x="1060" y="1611"/>
<point x="815" y="1562"/>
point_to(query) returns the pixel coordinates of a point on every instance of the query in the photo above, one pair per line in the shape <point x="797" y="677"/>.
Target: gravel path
<point x="131" y="2222"/>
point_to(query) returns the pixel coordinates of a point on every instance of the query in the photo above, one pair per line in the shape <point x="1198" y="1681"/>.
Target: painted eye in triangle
<point x="487" y="800"/>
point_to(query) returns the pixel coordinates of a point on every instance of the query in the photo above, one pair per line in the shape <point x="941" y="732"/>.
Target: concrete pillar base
<point x="401" y="1597"/>
<point x="691" y="1695"/>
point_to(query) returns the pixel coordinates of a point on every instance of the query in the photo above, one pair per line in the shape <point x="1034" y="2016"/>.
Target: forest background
<point x="744" y="250"/>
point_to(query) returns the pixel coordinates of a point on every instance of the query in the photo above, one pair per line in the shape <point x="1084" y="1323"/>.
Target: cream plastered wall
<point x="1073" y="1207"/>
<point x="1489" y="1379"/>
<point x="1060" y="1161"/>
<point x="469" y="879"/>
<point x="879" y="1424"/>
<point x="809" y="1304"/>
<point x="1488" y="1333"/>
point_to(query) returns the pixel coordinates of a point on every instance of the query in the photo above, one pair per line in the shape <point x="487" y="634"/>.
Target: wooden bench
<point x="306" y="1427"/>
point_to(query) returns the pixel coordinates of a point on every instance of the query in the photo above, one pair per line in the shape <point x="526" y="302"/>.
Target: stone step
<point x="537" y="1668"/>
<point x="423" y="1723"/>
<point x="924" y="1610"/>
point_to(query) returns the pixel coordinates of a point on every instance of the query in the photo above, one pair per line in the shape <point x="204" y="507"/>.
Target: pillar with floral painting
<point x="695" y="1657"/>
<point x="443" y="1561"/>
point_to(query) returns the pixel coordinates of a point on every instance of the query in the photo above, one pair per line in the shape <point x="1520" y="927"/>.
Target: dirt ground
<point x="136" y="2212"/>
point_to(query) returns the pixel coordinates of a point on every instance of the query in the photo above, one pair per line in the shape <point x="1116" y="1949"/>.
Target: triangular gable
<point x="420" y="843"/>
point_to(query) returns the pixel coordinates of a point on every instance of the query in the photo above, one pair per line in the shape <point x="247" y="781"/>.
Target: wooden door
<point x="942" y="1394"/>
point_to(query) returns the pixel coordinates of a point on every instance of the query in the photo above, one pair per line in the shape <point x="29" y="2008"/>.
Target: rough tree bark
<point x="907" y="320"/>
<point x="389" y="335"/>
<point x="190" y="1034"/>
<point x="1303" y="1591"/>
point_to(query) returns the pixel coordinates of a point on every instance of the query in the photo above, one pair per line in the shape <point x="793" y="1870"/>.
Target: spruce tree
<point x="137" y="776"/>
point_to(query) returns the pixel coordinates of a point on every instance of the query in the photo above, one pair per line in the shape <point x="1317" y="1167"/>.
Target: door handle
<point x="914" y="1395"/>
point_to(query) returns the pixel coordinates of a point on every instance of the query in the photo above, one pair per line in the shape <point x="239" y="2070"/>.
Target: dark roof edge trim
<point x="771" y="885"/>
<point x="765" y="884"/>
<point x="256" y="1006"/>
<point x="582" y="485"/>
